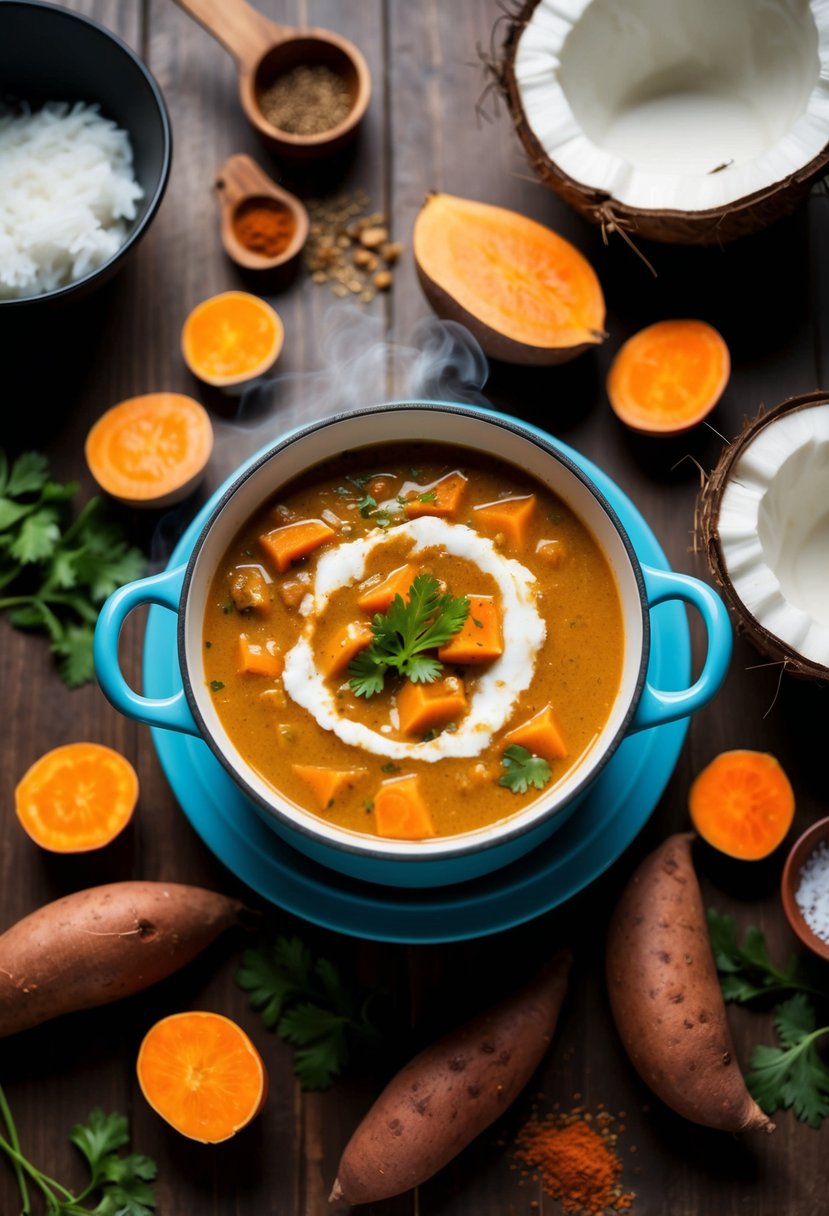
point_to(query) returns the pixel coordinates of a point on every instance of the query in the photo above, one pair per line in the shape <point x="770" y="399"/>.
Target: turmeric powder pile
<point x="574" y="1157"/>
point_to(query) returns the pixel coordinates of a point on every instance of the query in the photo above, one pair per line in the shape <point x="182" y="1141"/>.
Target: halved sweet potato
<point x="526" y="294"/>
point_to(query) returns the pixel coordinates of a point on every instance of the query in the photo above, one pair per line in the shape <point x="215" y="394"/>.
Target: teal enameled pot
<point x="441" y="860"/>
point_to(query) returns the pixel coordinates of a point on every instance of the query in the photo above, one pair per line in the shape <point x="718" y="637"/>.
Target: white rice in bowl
<point x="67" y="194"/>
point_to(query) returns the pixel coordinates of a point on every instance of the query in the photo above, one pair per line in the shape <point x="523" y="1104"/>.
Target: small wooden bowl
<point x="264" y="50"/>
<point x="800" y="852"/>
<point x="241" y="182"/>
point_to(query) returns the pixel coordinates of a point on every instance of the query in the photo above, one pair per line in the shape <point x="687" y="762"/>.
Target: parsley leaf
<point x="366" y="505"/>
<point x="794" y="1075"/>
<point x="746" y="971"/>
<point x="121" y="1183"/>
<point x="308" y="1005"/>
<point x="523" y="770"/>
<point x="100" y="1135"/>
<point x="58" y="571"/>
<point x="409" y="628"/>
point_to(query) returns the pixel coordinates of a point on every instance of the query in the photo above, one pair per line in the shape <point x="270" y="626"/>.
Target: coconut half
<point x="763" y="520"/>
<point x="688" y="122"/>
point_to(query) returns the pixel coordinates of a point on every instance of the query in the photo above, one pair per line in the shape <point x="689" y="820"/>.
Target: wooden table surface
<point x="768" y="297"/>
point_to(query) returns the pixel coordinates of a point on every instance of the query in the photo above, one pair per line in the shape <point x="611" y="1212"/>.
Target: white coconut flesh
<point x="681" y="105"/>
<point x="774" y="530"/>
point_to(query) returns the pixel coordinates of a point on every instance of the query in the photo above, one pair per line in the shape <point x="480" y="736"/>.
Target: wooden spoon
<point x="239" y="182"/>
<point x="264" y="50"/>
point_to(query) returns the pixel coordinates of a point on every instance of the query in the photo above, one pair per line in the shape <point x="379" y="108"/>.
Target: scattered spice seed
<point x="348" y="248"/>
<point x="306" y="100"/>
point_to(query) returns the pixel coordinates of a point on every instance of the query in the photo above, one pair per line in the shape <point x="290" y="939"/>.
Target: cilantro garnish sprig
<point x="793" y="1075"/>
<point x="309" y="1006"/>
<point x="523" y="769"/>
<point x="120" y="1184"/>
<point x="56" y="572"/>
<point x="746" y="972"/>
<point x="405" y="634"/>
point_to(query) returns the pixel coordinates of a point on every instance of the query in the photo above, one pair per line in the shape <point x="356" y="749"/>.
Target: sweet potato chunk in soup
<point x="328" y="579"/>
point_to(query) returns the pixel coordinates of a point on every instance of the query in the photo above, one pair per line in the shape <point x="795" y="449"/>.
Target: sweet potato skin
<point x="449" y="1093"/>
<point x="665" y="994"/>
<point x="102" y="944"/>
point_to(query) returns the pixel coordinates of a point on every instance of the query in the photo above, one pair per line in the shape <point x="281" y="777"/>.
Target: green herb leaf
<point x="424" y="622"/>
<point x="74" y="651"/>
<point x="29" y="474"/>
<point x="216" y="685"/>
<point x="523" y="770"/>
<point x="368" y="673"/>
<point x="37" y="538"/>
<point x="366" y="505"/>
<point x="56" y="572"/>
<point x="794" y="1076"/>
<point x="306" y="1002"/>
<point x="390" y="767"/>
<point x="100" y="1135"/>
<point x="429" y="496"/>
<point x="746" y="972"/>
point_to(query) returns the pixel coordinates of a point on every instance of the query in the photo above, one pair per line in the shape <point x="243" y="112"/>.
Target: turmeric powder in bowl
<point x="264" y="226"/>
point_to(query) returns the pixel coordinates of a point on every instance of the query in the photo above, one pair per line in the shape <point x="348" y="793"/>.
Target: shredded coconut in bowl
<point x="67" y="194"/>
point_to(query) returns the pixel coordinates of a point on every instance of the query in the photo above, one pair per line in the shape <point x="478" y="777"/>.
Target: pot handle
<point x="657" y="706"/>
<point x="171" y="713"/>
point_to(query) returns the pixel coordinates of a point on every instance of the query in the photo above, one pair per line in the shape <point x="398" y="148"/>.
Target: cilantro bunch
<point x="120" y="1184"/>
<point x="56" y="572"/>
<point x="793" y="1075"/>
<point x="404" y="635"/>
<point x="306" y="1002"/>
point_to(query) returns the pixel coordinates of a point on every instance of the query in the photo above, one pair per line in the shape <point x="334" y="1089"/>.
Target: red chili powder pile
<point x="574" y="1156"/>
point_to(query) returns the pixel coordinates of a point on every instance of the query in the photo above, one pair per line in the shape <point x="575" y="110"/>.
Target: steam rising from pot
<point x="358" y="366"/>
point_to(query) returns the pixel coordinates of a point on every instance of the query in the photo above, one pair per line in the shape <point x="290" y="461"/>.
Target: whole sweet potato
<point x="445" y="1097"/>
<point x="102" y="944"/>
<point x="666" y="998"/>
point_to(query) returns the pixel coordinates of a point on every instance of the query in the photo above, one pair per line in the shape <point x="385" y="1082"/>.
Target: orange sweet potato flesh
<point x="449" y="1093"/>
<point x="666" y="998"/>
<point x="526" y="294"/>
<point x="99" y="945"/>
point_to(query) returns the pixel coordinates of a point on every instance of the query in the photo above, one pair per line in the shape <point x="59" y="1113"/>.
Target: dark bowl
<point x="800" y="852"/>
<point x="50" y="54"/>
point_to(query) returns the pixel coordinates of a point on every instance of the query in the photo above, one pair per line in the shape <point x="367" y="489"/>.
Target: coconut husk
<point x="707" y="540"/>
<point x="715" y="226"/>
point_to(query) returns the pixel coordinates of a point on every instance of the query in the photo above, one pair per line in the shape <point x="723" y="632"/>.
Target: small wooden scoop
<point x="241" y="182"/>
<point x="263" y="50"/>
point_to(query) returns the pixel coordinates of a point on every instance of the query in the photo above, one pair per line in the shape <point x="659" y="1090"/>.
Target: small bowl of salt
<point x="805" y="888"/>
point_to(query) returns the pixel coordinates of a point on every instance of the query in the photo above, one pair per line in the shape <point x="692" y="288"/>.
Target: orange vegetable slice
<point x="400" y="812"/>
<point x="150" y="451"/>
<point x="335" y="657"/>
<point x="378" y="598"/>
<point x="541" y="735"/>
<point x="201" y="1073"/>
<point x="742" y="804"/>
<point x="231" y="338"/>
<point x="76" y="798"/>
<point x="479" y="638"/>
<point x="668" y="377"/>
<point x="289" y="543"/>
<point x="448" y="493"/>
<point x="527" y="295"/>
<point x="425" y="707"/>
<point x="509" y="515"/>
<point x="258" y="658"/>
<point x="326" y="784"/>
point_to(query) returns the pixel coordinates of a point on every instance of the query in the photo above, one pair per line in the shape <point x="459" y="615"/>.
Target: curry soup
<point x="330" y="687"/>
